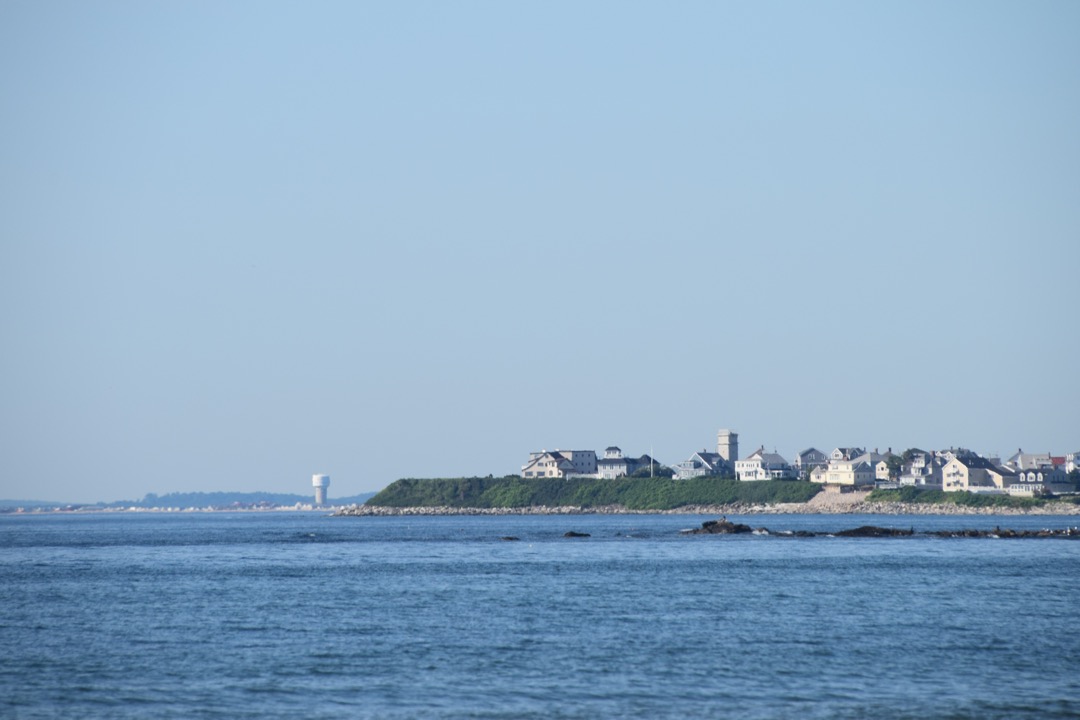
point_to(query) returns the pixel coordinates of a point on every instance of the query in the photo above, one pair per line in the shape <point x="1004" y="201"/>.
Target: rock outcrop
<point x="723" y="526"/>
<point x="874" y="531"/>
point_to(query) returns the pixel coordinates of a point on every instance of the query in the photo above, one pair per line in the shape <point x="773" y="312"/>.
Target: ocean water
<point x="275" y="615"/>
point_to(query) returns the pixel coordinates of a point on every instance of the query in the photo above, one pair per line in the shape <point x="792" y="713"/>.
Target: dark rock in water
<point x="573" y="534"/>
<point x="872" y="531"/>
<point x="1006" y="533"/>
<point x="509" y="538"/>
<point x="721" y="527"/>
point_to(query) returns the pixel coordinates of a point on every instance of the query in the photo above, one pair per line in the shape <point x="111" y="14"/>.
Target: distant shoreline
<point x="848" y="504"/>
<point x="95" y="509"/>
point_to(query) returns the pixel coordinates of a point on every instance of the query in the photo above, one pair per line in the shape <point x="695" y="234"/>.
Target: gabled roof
<point x="773" y="459"/>
<point x="766" y="458"/>
<point x="709" y="459"/>
<point x="562" y="461"/>
<point x="848" y="452"/>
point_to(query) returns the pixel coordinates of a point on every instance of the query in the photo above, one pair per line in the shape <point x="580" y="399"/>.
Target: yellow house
<point x="974" y="474"/>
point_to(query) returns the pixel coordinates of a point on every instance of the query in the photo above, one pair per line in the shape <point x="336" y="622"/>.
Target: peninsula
<point x="513" y="495"/>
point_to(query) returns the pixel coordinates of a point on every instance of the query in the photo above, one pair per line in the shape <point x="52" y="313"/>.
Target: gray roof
<point x="709" y="459"/>
<point x="977" y="463"/>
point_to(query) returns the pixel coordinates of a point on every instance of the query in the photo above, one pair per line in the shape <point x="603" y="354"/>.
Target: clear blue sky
<point x="241" y="243"/>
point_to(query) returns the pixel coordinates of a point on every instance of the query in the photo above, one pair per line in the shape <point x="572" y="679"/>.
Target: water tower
<point x="320" y="483"/>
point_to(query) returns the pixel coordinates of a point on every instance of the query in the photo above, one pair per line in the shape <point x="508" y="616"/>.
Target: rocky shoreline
<point x="858" y="507"/>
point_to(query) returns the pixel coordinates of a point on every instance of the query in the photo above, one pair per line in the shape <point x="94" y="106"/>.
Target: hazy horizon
<point x="8" y="502"/>
<point x="246" y="243"/>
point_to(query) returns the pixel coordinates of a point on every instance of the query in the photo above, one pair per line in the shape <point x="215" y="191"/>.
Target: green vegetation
<point x="654" y="471"/>
<point x="635" y="493"/>
<point x="938" y="497"/>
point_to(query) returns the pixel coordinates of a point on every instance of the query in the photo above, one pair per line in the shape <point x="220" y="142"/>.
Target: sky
<point x="242" y="243"/>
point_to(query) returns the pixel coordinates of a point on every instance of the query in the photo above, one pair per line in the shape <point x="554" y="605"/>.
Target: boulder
<point x="723" y="526"/>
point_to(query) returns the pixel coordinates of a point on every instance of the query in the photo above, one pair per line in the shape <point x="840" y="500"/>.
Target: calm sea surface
<point x="273" y="615"/>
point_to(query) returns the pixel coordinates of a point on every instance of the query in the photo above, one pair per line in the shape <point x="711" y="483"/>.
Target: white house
<point x="615" y="465"/>
<point x="761" y="465"/>
<point x="702" y="463"/>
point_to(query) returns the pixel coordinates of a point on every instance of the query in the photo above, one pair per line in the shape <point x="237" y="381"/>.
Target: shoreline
<point x="858" y="508"/>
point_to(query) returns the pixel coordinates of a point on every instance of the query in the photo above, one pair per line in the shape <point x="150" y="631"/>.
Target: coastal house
<point x="1049" y="475"/>
<point x="880" y="463"/>
<point x="974" y="474"/>
<point x="1028" y="483"/>
<point x="559" y="464"/>
<point x="854" y="467"/>
<point x="1029" y="461"/>
<point x="845" y="453"/>
<point x="922" y="471"/>
<point x="616" y="465"/>
<point x="703" y="463"/>
<point x="853" y="472"/>
<point x="808" y="459"/>
<point x="761" y="465"/>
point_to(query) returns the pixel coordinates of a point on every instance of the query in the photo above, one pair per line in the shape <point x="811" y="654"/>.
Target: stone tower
<point x="727" y="446"/>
